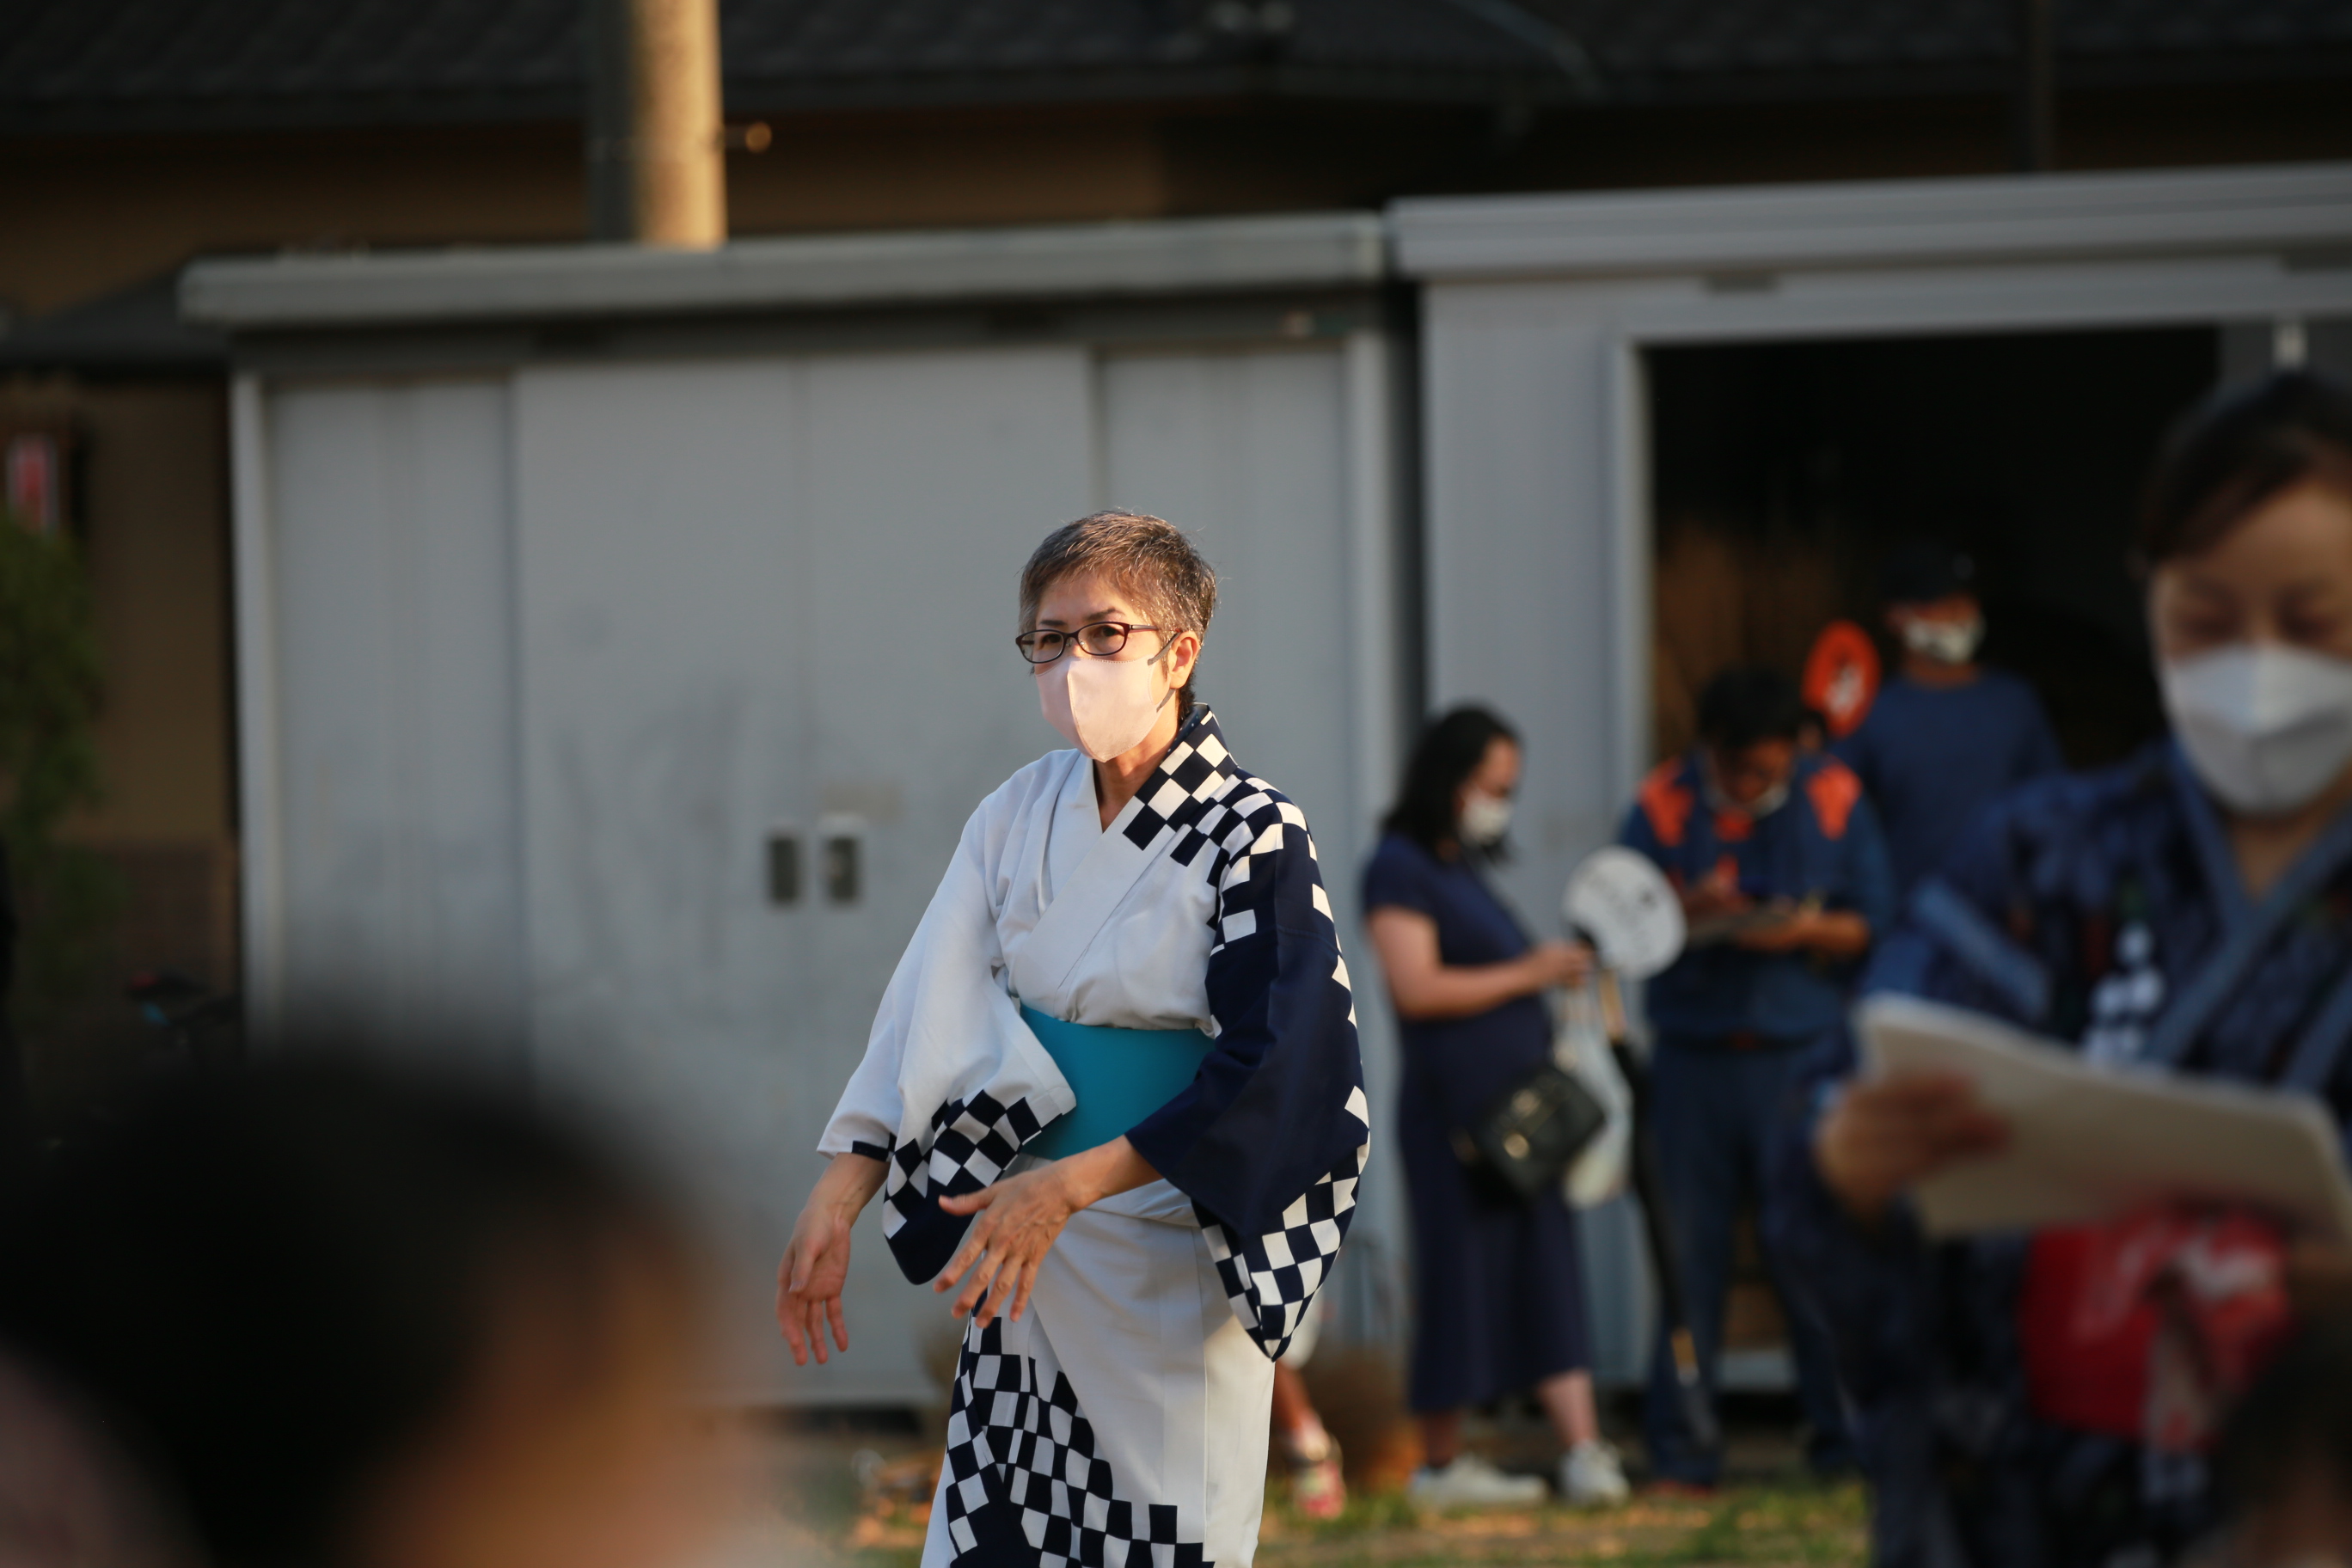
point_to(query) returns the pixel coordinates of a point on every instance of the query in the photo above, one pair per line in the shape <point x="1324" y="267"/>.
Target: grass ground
<point x="1762" y="1523"/>
<point x="838" y="1521"/>
<point x="851" y="1494"/>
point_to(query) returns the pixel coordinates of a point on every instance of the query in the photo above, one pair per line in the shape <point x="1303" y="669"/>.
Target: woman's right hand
<point x="816" y="1261"/>
<point x="1552" y="964"/>
<point x="1883" y="1135"/>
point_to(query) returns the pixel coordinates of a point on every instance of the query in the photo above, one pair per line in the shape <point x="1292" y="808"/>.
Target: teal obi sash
<point x="1120" y="1077"/>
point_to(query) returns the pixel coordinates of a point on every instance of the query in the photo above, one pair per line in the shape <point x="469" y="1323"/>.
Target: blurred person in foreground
<point x="1498" y="1289"/>
<point x="2282" y="1468"/>
<point x="1783" y="878"/>
<point x="332" y="1317"/>
<point x="1111" y="1100"/>
<point x="2048" y="1398"/>
<point x="1947" y="734"/>
<point x="69" y="1498"/>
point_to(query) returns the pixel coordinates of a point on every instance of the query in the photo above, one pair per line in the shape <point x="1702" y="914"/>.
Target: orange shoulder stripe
<point x="1666" y="805"/>
<point x="1834" y="789"/>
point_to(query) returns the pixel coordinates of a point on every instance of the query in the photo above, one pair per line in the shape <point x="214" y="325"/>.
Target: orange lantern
<point x="1841" y="677"/>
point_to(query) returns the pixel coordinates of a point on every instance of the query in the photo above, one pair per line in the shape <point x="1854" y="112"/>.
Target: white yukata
<point x="1123" y="1420"/>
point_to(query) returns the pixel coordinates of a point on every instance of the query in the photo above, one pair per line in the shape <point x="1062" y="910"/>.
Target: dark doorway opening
<point x="1782" y="472"/>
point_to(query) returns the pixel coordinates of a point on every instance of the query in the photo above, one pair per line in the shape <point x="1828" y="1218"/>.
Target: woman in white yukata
<point x="1112" y="1098"/>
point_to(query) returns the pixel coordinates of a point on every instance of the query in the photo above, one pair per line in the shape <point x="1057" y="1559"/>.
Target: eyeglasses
<point x="1099" y="640"/>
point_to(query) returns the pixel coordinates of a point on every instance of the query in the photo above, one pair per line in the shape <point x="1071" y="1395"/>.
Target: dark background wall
<point x="1793" y="466"/>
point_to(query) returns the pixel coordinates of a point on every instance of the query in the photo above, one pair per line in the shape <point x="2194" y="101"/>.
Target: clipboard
<point x="2089" y="1142"/>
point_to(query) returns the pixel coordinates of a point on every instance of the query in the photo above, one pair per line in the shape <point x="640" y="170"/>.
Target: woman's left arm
<point x="1019" y="1219"/>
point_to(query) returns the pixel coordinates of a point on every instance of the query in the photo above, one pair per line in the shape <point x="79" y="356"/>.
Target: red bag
<point x="2145" y="1327"/>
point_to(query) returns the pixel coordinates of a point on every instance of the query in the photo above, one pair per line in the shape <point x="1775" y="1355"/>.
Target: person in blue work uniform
<point x="1947" y="735"/>
<point x="1783" y="874"/>
<point x="2190" y="908"/>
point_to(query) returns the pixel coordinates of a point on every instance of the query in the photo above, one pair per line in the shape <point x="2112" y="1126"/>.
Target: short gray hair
<point x="1147" y="556"/>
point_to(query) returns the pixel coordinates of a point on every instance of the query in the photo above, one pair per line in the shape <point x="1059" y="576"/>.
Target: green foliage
<point x="67" y="897"/>
<point x="49" y="685"/>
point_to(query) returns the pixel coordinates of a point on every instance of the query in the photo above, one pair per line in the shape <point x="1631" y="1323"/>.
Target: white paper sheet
<point x="2089" y="1142"/>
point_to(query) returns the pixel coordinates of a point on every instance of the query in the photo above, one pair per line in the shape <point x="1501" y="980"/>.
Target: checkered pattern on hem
<point x="1026" y="1454"/>
<point x="971" y="1143"/>
<point x="1271" y="1279"/>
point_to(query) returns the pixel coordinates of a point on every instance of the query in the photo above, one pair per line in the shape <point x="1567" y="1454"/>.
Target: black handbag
<point x="1531" y="1133"/>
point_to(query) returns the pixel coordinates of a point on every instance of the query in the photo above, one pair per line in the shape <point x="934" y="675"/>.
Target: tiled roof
<point x="139" y="63"/>
<point x="1740" y="47"/>
<point x="101" y="62"/>
<point x="92" y="63"/>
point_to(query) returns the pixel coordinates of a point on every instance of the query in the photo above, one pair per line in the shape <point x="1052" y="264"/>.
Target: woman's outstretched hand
<point x="816" y="1261"/>
<point x="1885" y="1134"/>
<point x="1019" y="1219"/>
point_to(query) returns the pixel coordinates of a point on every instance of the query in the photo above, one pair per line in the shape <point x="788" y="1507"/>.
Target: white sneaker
<point x="1471" y="1483"/>
<point x="1589" y="1474"/>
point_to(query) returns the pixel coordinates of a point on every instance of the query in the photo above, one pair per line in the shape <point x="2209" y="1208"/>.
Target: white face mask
<point x="1104" y="706"/>
<point x="1945" y="642"/>
<point x="1485" y="818"/>
<point x="2266" y="728"/>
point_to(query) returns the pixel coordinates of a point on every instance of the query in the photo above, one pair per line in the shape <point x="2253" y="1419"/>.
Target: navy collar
<point x="1178" y="792"/>
<point x="2311" y="871"/>
<point x="2205" y="833"/>
<point x="2248" y="927"/>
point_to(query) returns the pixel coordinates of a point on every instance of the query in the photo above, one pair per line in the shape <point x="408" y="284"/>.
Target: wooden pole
<point x="657" y="154"/>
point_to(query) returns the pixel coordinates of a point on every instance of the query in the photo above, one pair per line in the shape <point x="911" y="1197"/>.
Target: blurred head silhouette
<point x="342" y="1318"/>
<point x="67" y="1499"/>
<point x="2285" y="1464"/>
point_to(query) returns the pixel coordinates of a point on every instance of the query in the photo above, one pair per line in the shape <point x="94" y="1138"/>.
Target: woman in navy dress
<point x="1500" y="1297"/>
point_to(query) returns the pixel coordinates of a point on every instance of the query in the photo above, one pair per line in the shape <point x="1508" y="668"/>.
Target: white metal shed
<point x="624" y="635"/>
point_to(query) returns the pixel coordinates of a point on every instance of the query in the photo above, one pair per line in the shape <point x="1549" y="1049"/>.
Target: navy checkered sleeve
<point x="1270" y="1141"/>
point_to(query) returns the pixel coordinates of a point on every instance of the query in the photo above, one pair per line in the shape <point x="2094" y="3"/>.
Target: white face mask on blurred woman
<point x="1485" y="818"/>
<point x="2254" y="642"/>
<point x="2266" y="727"/>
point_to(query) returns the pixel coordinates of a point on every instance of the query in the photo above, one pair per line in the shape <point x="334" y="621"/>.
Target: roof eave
<point x="1201" y="256"/>
<point x="2288" y="209"/>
